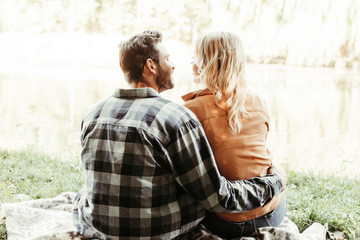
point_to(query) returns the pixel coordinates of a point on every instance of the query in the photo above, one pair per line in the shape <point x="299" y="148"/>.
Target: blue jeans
<point x="228" y="229"/>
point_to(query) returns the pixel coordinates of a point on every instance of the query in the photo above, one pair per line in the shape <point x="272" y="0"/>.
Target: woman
<point x="236" y="123"/>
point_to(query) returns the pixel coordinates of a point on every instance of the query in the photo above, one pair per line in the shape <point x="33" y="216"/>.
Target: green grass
<point x="311" y="198"/>
<point x="35" y="175"/>
<point x="325" y="199"/>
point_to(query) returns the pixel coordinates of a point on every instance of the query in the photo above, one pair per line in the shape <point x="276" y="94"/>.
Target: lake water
<point x="315" y="116"/>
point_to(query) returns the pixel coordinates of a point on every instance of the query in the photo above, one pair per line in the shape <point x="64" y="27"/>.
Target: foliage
<point x="278" y="31"/>
<point x="2" y="230"/>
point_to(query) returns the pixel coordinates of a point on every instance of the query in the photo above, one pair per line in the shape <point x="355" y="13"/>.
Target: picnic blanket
<point x="52" y="219"/>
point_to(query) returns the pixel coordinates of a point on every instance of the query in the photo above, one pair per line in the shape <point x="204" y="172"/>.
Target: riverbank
<point x="311" y="198"/>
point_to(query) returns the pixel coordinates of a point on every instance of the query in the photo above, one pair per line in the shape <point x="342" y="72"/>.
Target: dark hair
<point x="135" y="51"/>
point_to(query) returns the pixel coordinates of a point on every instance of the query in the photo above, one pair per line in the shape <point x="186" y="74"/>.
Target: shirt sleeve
<point x="193" y="165"/>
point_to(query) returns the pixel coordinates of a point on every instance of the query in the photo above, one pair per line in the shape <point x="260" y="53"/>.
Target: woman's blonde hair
<point x="220" y="59"/>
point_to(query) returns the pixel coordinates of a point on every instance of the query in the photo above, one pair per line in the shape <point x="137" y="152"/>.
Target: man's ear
<point x="151" y="65"/>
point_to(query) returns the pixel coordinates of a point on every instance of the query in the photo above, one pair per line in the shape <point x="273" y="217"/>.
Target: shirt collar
<point x="196" y="94"/>
<point x="135" y="93"/>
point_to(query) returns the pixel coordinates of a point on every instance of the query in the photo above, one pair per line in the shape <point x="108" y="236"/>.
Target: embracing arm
<point x="194" y="167"/>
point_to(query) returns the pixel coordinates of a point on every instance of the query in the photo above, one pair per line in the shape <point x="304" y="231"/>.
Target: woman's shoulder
<point x="255" y="102"/>
<point x="202" y="103"/>
<point x="196" y="94"/>
<point x="197" y="98"/>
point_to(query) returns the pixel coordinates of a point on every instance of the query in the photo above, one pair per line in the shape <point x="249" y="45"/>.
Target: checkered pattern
<point x="150" y="173"/>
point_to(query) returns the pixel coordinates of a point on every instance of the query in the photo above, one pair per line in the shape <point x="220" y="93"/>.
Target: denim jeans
<point x="228" y="229"/>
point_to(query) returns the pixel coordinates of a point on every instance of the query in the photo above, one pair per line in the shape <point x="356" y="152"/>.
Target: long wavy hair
<point x="220" y="59"/>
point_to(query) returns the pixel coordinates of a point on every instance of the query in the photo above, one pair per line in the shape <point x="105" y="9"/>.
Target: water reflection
<point x="315" y="118"/>
<point x="44" y="112"/>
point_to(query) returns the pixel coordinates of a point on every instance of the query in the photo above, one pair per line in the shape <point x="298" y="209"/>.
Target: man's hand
<point x="280" y="172"/>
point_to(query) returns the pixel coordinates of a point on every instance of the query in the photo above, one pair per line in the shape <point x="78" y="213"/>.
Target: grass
<point x="37" y="176"/>
<point x="325" y="199"/>
<point x="311" y="198"/>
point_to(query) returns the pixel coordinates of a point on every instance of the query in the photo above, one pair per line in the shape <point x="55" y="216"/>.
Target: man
<point x="149" y="170"/>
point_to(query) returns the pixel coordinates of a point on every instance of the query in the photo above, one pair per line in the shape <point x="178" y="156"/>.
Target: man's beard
<point x="164" y="80"/>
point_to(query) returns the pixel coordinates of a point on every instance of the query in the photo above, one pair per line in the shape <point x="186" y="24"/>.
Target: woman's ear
<point x="151" y="65"/>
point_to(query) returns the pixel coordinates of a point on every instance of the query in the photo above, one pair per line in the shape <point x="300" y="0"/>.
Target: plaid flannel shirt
<point x="150" y="172"/>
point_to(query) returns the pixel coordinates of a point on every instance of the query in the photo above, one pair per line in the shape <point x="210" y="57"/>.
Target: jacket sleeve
<point x="193" y="165"/>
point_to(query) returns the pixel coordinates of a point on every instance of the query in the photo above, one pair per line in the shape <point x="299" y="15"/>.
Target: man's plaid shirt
<point x="150" y="173"/>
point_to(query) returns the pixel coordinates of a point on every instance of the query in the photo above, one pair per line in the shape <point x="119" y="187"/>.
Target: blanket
<point x="51" y="219"/>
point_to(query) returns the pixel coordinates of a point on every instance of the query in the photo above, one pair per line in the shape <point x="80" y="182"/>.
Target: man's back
<point x="131" y="190"/>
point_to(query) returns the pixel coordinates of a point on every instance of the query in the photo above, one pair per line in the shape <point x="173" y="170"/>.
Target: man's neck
<point x="144" y="84"/>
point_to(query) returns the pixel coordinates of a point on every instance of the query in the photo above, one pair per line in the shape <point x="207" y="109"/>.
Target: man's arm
<point x="194" y="167"/>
